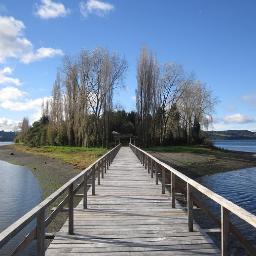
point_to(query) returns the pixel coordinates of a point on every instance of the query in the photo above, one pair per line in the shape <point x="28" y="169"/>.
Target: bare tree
<point x="82" y="96"/>
<point x="104" y="75"/>
<point x="169" y="90"/>
<point x="24" y="128"/>
<point x="196" y="107"/>
<point x="70" y="99"/>
<point x="147" y="79"/>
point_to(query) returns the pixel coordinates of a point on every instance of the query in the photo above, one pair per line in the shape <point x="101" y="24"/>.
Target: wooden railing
<point x="67" y="191"/>
<point x="157" y="167"/>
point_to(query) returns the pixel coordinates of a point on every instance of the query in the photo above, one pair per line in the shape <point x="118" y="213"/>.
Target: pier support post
<point x="102" y="169"/>
<point x="152" y="169"/>
<point x="224" y="231"/>
<point x="85" y="191"/>
<point x="93" y="180"/>
<point x="173" y="189"/>
<point x="163" y="180"/>
<point x="71" y="210"/>
<point x="40" y="233"/>
<point x="98" y="173"/>
<point x="190" y="208"/>
<point x="156" y="173"/>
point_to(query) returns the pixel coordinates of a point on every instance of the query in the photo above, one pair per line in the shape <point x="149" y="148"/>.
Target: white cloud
<point x="10" y="93"/>
<point x="22" y="105"/>
<point x="41" y="53"/>
<point x="14" y="44"/>
<point x="49" y="9"/>
<point x="134" y="98"/>
<point x="229" y="126"/>
<point x="7" y="124"/>
<point x="6" y="79"/>
<point x="234" y="122"/>
<point x="97" y="7"/>
<point x="238" y="119"/>
<point x="36" y="115"/>
<point x="14" y="99"/>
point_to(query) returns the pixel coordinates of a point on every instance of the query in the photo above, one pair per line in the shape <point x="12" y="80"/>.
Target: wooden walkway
<point x="129" y="216"/>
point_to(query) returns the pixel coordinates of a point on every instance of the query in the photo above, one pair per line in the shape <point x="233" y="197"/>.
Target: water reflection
<point x="20" y="192"/>
<point x="238" y="187"/>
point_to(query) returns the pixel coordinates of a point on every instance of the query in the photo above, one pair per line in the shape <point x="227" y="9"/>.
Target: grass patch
<point x="80" y="157"/>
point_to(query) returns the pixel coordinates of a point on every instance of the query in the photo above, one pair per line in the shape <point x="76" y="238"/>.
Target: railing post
<point x="173" y="189"/>
<point x="224" y="231"/>
<point x="110" y="157"/>
<point x="93" y="180"/>
<point x="105" y="164"/>
<point x="98" y="173"/>
<point x="190" y="208"/>
<point x="85" y="191"/>
<point x="71" y="210"/>
<point x="149" y="164"/>
<point x="108" y="162"/>
<point x="102" y="169"/>
<point x="152" y="169"/>
<point x="146" y="162"/>
<point x="163" y="180"/>
<point x="156" y="173"/>
<point x="40" y="233"/>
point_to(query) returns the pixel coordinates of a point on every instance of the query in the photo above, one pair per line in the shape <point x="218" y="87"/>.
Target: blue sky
<point x="215" y="39"/>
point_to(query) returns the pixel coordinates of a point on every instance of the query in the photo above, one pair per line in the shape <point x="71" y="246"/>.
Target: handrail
<point x="38" y="212"/>
<point x="227" y="206"/>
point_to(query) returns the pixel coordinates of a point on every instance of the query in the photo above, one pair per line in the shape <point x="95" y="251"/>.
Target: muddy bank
<point x="196" y="165"/>
<point x="51" y="174"/>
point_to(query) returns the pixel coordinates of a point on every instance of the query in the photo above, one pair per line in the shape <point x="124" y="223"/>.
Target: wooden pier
<point x="129" y="215"/>
<point x="128" y="212"/>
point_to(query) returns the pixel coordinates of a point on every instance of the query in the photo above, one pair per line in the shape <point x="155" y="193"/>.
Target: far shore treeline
<point x="172" y="106"/>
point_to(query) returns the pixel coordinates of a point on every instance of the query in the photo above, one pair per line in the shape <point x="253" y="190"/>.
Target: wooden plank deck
<point x="129" y="216"/>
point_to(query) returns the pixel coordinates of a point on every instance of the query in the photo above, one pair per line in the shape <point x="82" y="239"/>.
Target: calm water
<point x="237" y="145"/>
<point x="3" y="143"/>
<point x="19" y="192"/>
<point x="237" y="186"/>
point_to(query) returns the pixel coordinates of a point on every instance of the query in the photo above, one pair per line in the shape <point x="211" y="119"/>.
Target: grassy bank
<point x="196" y="160"/>
<point x="79" y="157"/>
<point x="52" y="166"/>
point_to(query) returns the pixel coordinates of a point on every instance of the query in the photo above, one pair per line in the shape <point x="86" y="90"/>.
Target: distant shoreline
<point x="242" y="138"/>
<point x="230" y="135"/>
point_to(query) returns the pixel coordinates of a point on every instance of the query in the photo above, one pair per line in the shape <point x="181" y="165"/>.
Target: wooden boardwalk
<point x="129" y="216"/>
